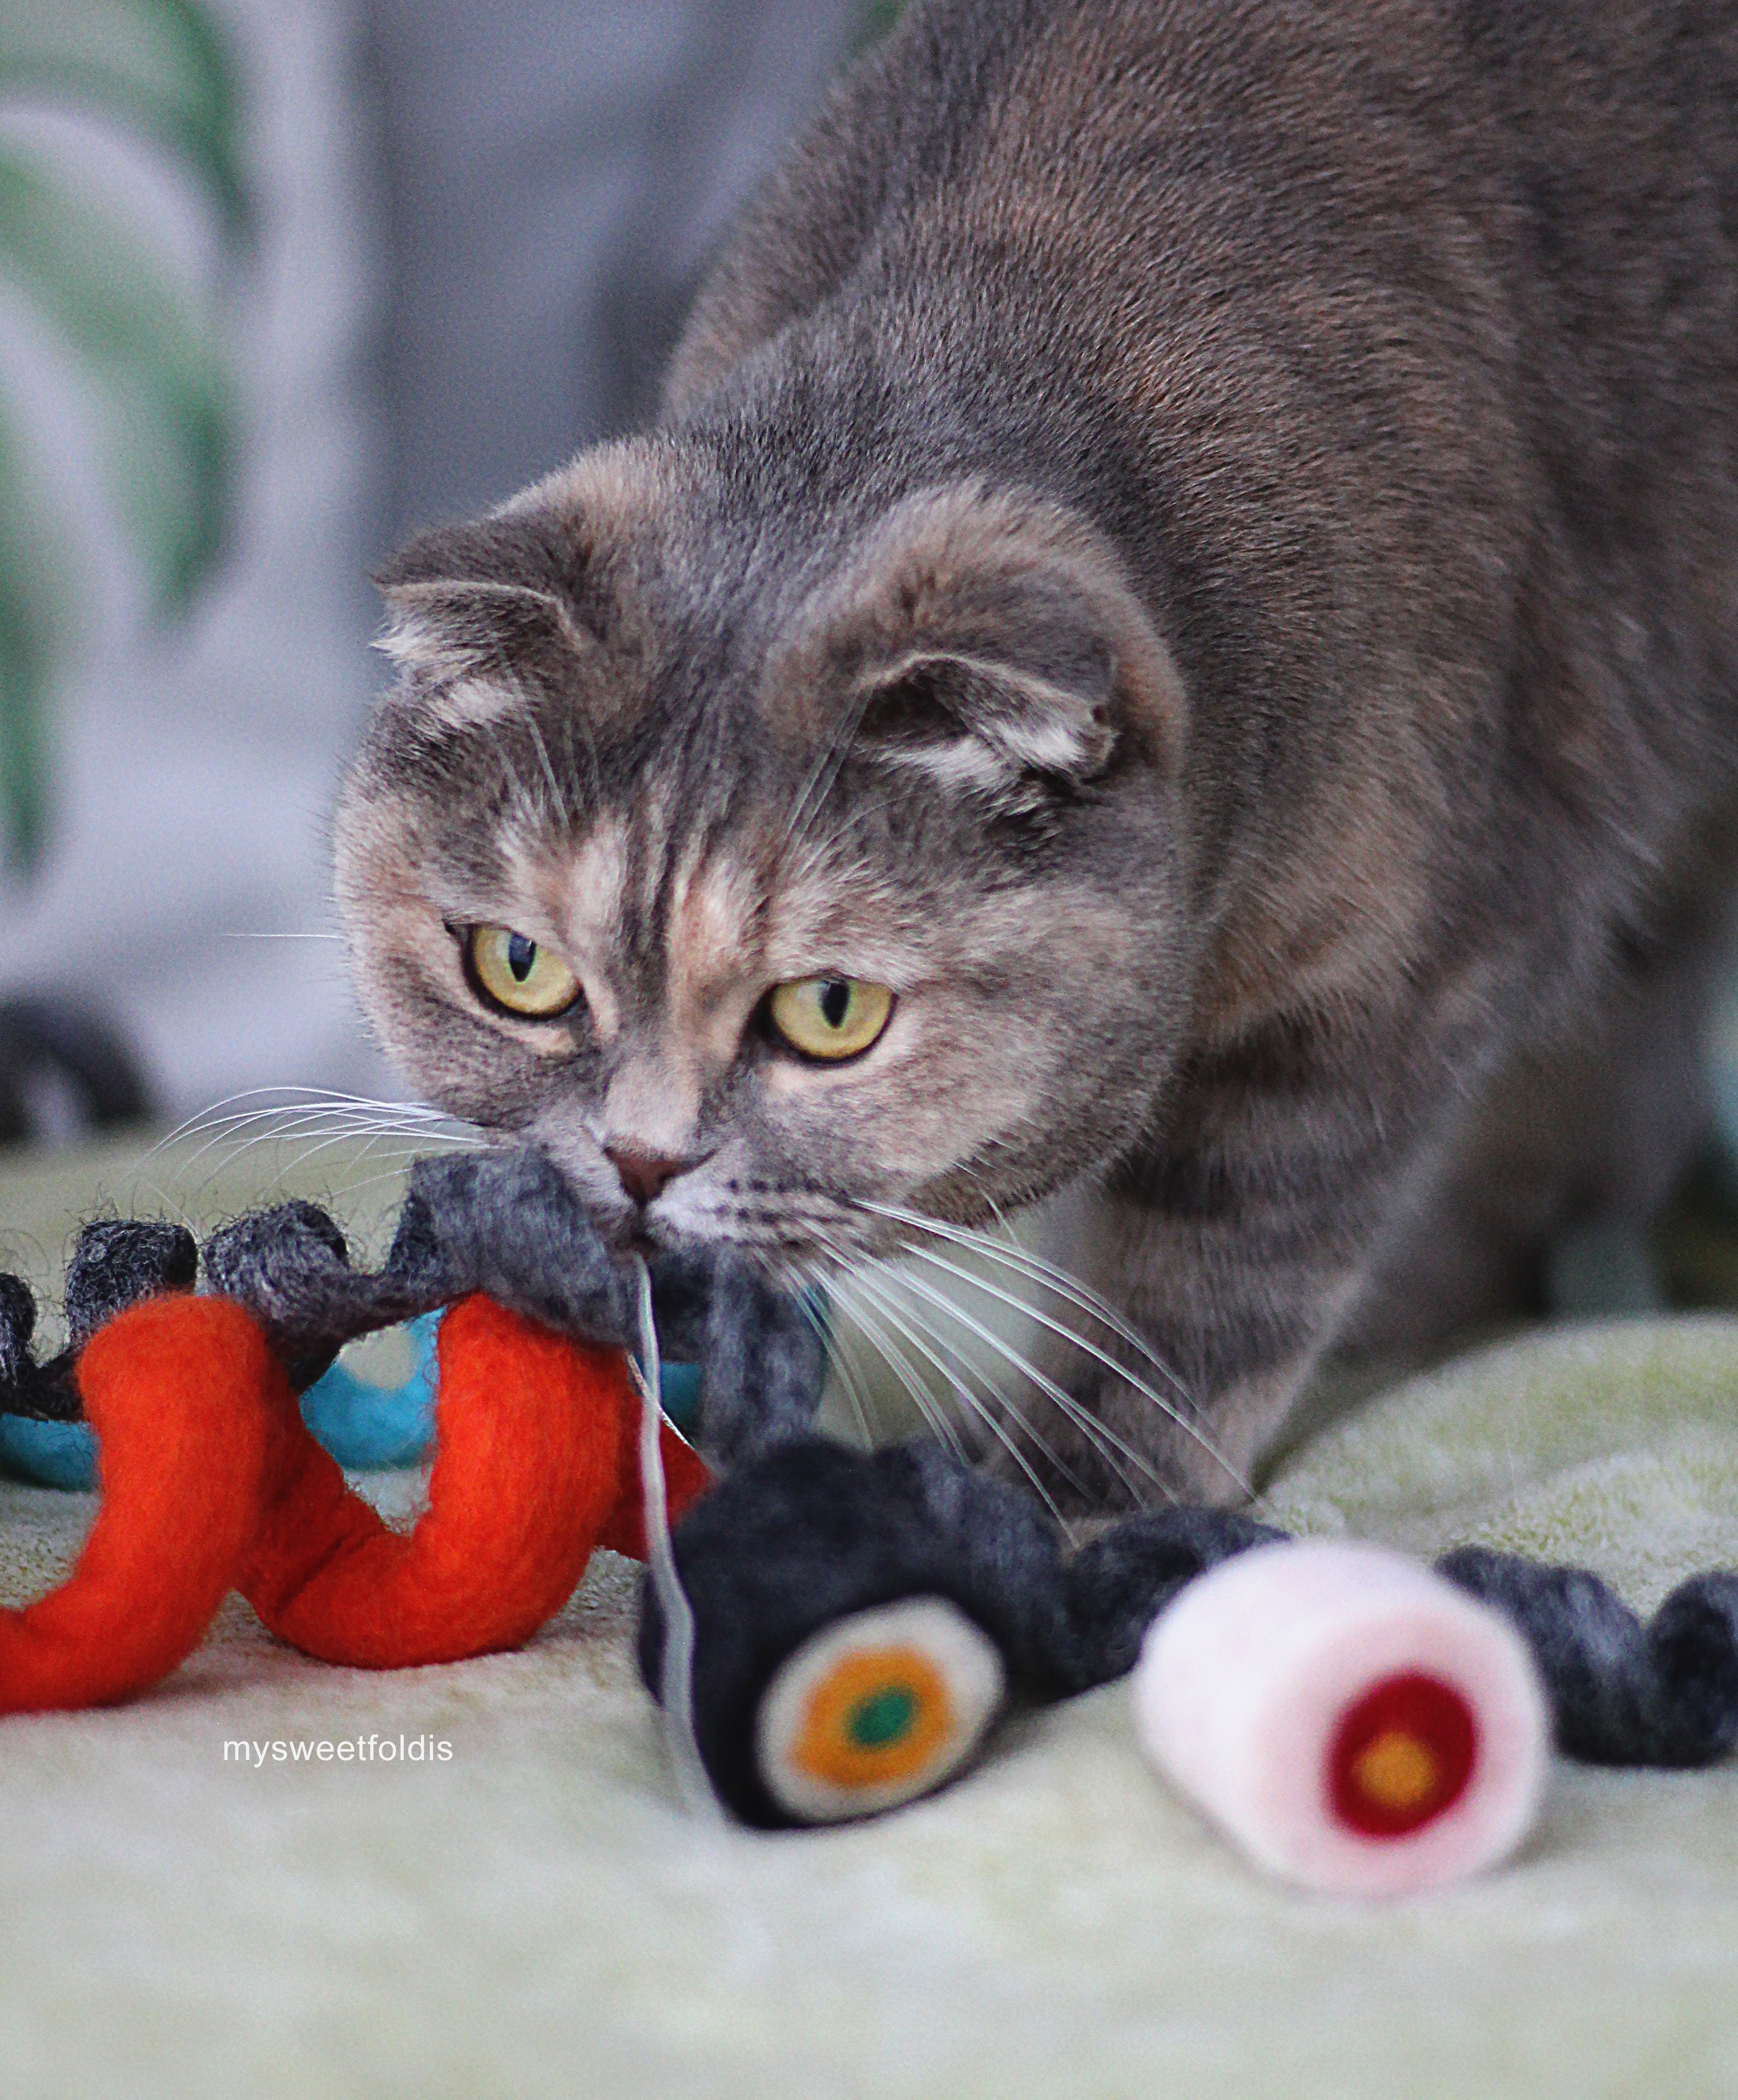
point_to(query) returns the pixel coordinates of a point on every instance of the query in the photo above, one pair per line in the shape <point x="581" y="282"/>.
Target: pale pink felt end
<point x="1350" y="1719"/>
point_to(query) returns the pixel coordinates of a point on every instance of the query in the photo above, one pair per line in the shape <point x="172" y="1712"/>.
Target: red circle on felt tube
<point x="1402" y="1754"/>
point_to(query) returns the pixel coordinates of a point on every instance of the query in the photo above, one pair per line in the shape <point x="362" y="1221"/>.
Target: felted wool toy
<point x="171" y="1388"/>
<point x="212" y="1480"/>
<point x="366" y="1426"/>
<point x="535" y="1456"/>
<point x="836" y="1632"/>
<point x="504" y="1223"/>
<point x="115" y="1264"/>
<point x="501" y="1222"/>
<point x="860" y="1622"/>
<point x="1354" y="1722"/>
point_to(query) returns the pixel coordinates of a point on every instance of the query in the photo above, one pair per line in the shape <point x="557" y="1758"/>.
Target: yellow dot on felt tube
<point x="1395" y="1770"/>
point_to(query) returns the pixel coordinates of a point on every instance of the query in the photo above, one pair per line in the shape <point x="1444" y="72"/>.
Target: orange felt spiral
<point x="210" y="1482"/>
<point x="534" y="1453"/>
<point x="686" y="1479"/>
<point x="173" y="1389"/>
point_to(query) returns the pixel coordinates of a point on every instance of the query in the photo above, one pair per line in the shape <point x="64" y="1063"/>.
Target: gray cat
<point x="1176" y="641"/>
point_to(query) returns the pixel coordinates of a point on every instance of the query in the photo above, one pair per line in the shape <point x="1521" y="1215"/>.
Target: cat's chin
<point x="634" y="1236"/>
<point x="638" y="1235"/>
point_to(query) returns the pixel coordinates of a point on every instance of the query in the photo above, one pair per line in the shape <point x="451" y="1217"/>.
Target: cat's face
<point x="771" y="882"/>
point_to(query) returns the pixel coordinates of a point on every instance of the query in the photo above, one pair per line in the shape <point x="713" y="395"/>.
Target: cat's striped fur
<point x="1197" y="539"/>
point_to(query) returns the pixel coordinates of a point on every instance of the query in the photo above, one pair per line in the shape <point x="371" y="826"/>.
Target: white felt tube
<point x="1353" y="1720"/>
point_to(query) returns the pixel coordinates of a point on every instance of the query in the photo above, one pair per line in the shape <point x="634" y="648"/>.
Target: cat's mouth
<point x="638" y="1238"/>
<point x="782" y="1246"/>
<point x="788" y="1229"/>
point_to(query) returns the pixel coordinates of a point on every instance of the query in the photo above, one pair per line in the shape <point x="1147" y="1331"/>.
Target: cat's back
<point x="1314" y="303"/>
<point x="1132" y="156"/>
<point x="1394" y="344"/>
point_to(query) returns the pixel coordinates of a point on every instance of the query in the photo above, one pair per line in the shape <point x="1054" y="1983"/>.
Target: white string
<point x="675" y="1674"/>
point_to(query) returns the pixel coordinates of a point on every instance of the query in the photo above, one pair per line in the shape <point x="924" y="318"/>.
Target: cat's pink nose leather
<point x="643" y="1174"/>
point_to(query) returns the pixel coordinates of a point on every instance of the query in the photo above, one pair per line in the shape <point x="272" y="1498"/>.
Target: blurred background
<point x="281" y="281"/>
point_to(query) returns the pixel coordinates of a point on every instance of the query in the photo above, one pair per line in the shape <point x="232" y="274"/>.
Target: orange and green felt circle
<point x="876" y="1709"/>
<point x="1403" y="1754"/>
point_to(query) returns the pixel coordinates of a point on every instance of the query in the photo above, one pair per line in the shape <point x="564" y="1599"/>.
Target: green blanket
<point x="531" y="1913"/>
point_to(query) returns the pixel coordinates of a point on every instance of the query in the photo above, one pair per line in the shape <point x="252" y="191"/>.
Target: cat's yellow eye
<point x="519" y="974"/>
<point x="831" y="1018"/>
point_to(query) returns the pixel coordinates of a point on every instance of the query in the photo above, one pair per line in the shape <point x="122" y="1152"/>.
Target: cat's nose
<point x="644" y="1175"/>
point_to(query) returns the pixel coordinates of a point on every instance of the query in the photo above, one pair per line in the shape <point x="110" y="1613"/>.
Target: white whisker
<point x="229" y="1135"/>
<point x="933" y="1415"/>
<point x="1104" y="1439"/>
<point x="1079" y="1293"/>
<point x="900" y="1368"/>
<point x="920" y="1325"/>
<point x="1167" y="1408"/>
<point x="327" y="1122"/>
<point x="288" y="1099"/>
<point x="831" y="1342"/>
<point x="311" y="1151"/>
<point x="985" y="1412"/>
<point x="825" y="771"/>
<point x="163" y="1197"/>
<point x="281" y="1128"/>
<point x="543" y="759"/>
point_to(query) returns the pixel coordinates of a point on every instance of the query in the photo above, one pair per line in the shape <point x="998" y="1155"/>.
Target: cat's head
<point x="765" y="868"/>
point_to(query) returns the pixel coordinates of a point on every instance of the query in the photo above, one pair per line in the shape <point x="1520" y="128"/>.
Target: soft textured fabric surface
<point x="524" y="1908"/>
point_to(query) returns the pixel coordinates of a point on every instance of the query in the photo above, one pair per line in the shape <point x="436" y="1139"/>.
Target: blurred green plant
<point x="159" y="69"/>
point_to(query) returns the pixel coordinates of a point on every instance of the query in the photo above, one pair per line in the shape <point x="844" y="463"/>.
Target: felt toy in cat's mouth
<point x="212" y="1482"/>
<point x="850" y="1625"/>
<point x="366" y="1425"/>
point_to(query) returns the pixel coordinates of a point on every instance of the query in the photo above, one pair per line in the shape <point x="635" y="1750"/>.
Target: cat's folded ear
<point x="463" y="599"/>
<point x="989" y="639"/>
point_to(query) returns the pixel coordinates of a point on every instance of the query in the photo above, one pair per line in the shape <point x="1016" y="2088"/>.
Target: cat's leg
<point x="1385" y="1196"/>
<point x="1232" y="1248"/>
<point x="1577" y="1143"/>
